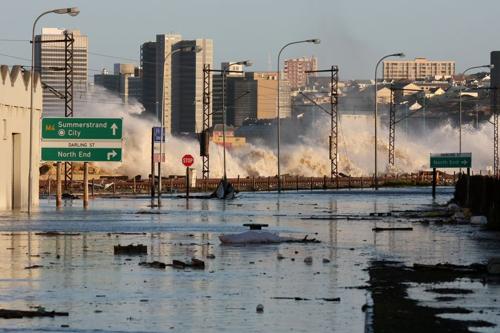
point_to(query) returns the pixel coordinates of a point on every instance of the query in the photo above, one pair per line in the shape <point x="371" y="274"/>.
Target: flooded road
<point x="109" y="293"/>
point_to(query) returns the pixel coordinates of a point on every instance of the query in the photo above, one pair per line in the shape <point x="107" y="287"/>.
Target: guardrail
<point x="119" y="185"/>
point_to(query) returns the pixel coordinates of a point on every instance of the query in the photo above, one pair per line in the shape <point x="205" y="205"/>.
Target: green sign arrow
<point x="82" y="154"/>
<point x="451" y="160"/>
<point x="82" y="128"/>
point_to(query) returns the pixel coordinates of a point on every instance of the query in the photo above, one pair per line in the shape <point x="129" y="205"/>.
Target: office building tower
<point x="187" y="86"/>
<point x="148" y="76"/>
<point x="50" y="61"/>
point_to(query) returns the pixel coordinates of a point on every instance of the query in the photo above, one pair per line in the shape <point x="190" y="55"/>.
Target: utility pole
<point x="68" y="98"/>
<point x="334" y="119"/>
<point x="204" y="136"/>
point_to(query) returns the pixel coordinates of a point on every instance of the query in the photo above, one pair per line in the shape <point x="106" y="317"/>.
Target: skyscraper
<point x="187" y="85"/>
<point x="50" y="61"/>
<point x="164" y="57"/>
<point x="148" y="76"/>
<point x="173" y="81"/>
<point x="295" y="71"/>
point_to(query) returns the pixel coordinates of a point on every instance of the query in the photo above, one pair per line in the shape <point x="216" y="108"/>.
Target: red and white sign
<point x="187" y="160"/>
<point x="156" y="158"/>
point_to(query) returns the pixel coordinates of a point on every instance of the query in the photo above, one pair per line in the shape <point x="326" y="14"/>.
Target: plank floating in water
<point x="13" y="314"/>
<point x="378" y="229"/>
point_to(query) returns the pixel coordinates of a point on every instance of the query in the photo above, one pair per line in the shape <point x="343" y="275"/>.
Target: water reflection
<point x="81" y="274"/>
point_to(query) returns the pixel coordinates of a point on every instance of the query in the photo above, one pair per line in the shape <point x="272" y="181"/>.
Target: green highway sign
<point x="82" y="128"/>
<point x="59" y="154"/>
<point x="451" y="160"/>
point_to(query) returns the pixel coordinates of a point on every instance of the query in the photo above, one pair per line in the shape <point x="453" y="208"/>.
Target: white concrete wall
<point x="15" y="119"/>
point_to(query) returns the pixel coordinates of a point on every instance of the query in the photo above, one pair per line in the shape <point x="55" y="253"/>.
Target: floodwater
<point x="108" y="293"/>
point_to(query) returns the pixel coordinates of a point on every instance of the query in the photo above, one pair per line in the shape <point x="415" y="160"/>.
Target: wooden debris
<point x="197" y="263"/>
<point x="153" y="264"/>
<point x="33" y="267"/>
<point x="303" y="240"/>
<point x="56" y="233"/>
<point x="12" y="314"/>
<point x="130" y="249"/>
<point x="378" y="229"/>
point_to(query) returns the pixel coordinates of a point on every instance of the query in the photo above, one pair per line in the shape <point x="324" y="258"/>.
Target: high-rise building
<point x="187" y="85"/>
<point x="254" y="97"/>
<point x="148" y="76"/>
<point x="295" y="71"/>
<point x="418" y="69"/>
<point x="50" y="61"/>
<point x="164" y="59"/>
<point x="125" y="81"/>
<point x="178" y="81"/>
<point x="231" y="76"/>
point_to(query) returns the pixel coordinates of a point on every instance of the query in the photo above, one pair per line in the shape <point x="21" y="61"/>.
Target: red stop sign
<point x="187" y="160"/>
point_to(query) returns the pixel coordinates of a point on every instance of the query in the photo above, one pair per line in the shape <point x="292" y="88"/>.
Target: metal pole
<point x="58" y="185"/>
<point x="224" y="119"/>
<point x="159" y="181"/>
<point x="32" y="93"/>
<point x="316" y="41"/>
<point x="434" y="179"/>
<point x="187" y="183"/>
<point x="278" y="120"/>
<point x="152" y="181"/>
<point x="85" y="184"/>
<point x="460" y="117"/>
<point x="376" y="112"/>
<point x="376" y="115"/>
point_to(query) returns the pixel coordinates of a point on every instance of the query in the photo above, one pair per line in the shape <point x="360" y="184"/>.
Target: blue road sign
<point x="157" y="134"/>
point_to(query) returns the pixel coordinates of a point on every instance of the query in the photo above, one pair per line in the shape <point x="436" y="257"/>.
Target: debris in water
<point x="452" y="291"/>
<point x="55" y="233"/>
<point x="130" y="249"/>
<point x="292" y="298"/>
<point x="378" y="229"/>
<point x="33" y="267"/>
<point x="153" y="264"/>
<point x="494" y="265"/>
<point x="13" y="314"/>
<point x="334" y="299"/>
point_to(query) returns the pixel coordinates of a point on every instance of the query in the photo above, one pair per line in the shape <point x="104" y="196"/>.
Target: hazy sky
<point x="354" y="34"/>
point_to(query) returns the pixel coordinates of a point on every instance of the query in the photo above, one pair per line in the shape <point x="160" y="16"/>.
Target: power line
<point x="111" y="56"/>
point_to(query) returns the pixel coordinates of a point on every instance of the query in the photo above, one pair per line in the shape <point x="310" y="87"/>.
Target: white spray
<point x="307" y="157"/>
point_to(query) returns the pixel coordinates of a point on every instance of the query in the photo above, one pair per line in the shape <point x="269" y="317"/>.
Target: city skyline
<point x="353" y="37"/>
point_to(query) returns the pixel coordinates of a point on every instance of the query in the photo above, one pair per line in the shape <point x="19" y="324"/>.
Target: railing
<point x="118" y="185"/>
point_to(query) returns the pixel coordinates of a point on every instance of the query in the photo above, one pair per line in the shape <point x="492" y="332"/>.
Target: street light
<point x="195" y="49"/>
<point x="72" y="11"/>
<point x="314" y="41"/>
<point x="246" y="63"/>
<point x="460" y="103"/>
<point x="400" y="54"/>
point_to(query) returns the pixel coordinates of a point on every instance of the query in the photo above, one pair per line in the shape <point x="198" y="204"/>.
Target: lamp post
<point x="400" y="54"/>
<point x="72" y="11"/>
<point x="195" y="49"/>
<point x="460" y="103"/>
<point x="245" y="63"/>
<point x="314" y="41"/>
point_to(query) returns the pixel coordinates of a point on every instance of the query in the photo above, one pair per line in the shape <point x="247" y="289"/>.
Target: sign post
<point x="187" y="160"/>
<point x="157" y="136"/>
<point x="451" y="160"/>
<point x="81" y="140"/>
